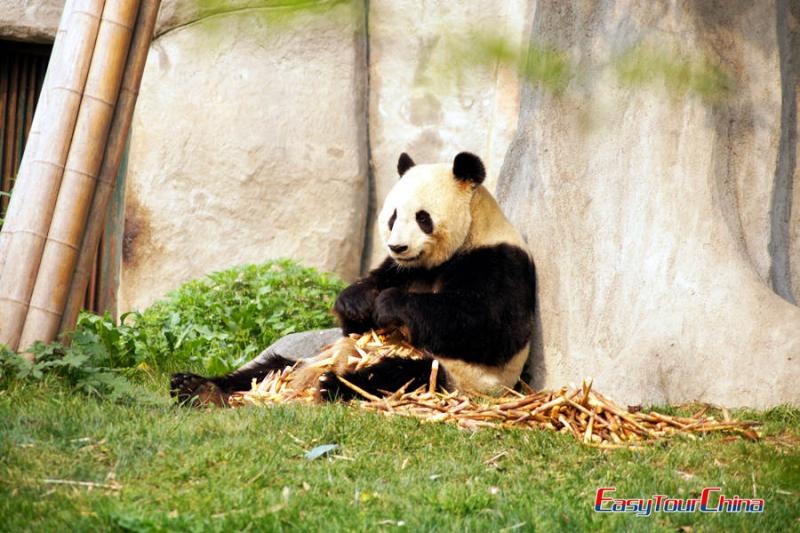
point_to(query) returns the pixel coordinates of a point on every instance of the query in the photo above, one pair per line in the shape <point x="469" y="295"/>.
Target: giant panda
<point x="457" y="281"/>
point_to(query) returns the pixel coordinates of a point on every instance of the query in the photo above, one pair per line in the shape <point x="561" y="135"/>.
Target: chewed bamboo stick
<point x="359" y="390"/>
<point x="434" y="376"/>
<point x="581" y="412"/>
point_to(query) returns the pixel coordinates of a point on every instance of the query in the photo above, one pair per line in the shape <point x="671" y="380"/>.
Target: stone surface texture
<point x="175" y="13"/>
<point x="296" y="346"/>
<point x="276" y="164"/>
<point x="249" y="143"/>
<point x="428" y="98"/>
<point x="30" y="20"/>
<point x="658" y="225"/>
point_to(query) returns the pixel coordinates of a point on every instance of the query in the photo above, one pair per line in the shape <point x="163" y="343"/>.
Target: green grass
<point x="236" y="470"/>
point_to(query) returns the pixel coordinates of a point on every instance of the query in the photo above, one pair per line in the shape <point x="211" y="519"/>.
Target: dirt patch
<point x="137" y="229"/>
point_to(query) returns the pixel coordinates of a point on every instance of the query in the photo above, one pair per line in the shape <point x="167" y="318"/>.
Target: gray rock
<point x="304" y="344"/>
<point x="651" y="211"/>
<point x="248" y="144"/>
<point x="33" y="21"/>
<point x="296" y="346"/>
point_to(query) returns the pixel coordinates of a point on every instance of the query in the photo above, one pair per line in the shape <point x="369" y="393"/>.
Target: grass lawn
<point x="180" y="469"/>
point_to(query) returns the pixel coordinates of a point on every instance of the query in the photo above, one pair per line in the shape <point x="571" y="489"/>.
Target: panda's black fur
<point x="474" y="309"/>
<point x="482" y="313"/>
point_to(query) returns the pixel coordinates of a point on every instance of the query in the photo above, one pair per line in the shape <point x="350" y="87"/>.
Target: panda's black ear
<point x="469" y="167"/>
<point x="404" y="163"/>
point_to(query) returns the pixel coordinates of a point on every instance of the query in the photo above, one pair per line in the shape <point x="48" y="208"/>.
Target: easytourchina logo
<point x="711" y="500"/>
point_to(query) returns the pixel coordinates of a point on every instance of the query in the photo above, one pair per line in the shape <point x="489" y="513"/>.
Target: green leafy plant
<point x="84" y="364"/>
<point x="221" y="321"/>
<point x="214" y="324"/>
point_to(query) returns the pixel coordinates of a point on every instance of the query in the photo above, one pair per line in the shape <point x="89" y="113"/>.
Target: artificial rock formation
<point x="657" y="217"/>
<point x="431" y="96"/>
<point x="249" y="143"/>
<point x="265" y="65"/>
<point x="30" y="21"/>
<point x="289" y="94"/>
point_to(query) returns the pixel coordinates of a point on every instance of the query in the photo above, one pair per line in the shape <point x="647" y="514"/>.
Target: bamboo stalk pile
<point x="76" y="141"/>
<point x="299" y="383"/>
<point x="581" y="412"/>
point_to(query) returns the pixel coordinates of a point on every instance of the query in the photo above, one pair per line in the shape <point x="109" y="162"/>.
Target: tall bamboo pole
<point x="23" y="182"/>
<point x="60" y="253"/>
<point x="45" y="170"/>
<point x="117" y="139"/>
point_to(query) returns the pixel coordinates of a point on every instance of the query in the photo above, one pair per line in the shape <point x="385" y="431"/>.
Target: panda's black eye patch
<point x="425" y="222"/>
<point x="392" y="219"/>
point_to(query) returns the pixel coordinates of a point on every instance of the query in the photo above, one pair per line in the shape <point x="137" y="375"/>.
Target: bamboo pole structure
<point x="32" y="219"/>
<point x="109" y="170"/>
<point x="22" y="181"/>
<point x="71" y="212"/>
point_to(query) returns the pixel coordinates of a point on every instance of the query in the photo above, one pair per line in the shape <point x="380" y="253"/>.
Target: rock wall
<point x="249" y="143"/>
<point x="32" y="21"/>
<point x="658" y="214"/>
<point x="278" y="129"/>
<point x="428" y="95"/>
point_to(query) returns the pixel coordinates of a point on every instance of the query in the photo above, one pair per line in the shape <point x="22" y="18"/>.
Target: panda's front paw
<point x="389" y="306"/>
<point x="355" y="304"/>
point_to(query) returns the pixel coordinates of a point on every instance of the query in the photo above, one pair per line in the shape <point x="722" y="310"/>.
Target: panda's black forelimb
<point x="355" y="304"/>
<point x="385" y="376"/>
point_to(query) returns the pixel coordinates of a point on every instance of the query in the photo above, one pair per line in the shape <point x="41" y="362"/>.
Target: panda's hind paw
<point x="191" y="389"/>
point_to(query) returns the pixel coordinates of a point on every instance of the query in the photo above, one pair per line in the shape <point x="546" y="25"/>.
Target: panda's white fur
<point x="468" y="216"/>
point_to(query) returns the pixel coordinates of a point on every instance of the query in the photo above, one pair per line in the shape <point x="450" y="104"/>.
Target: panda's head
<point x="426" y="216"/>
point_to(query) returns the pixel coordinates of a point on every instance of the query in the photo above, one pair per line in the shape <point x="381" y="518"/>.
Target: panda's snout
<point x="398" y="248"/>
